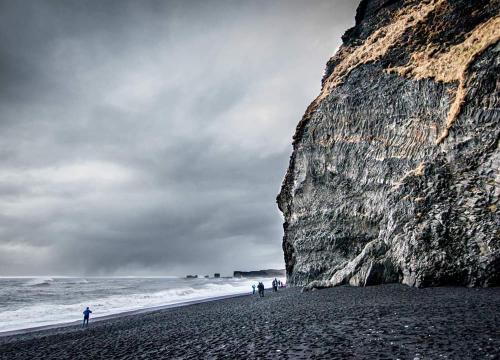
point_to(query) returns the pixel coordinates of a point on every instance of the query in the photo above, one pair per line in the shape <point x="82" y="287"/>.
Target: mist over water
<point x="39" y="301"/>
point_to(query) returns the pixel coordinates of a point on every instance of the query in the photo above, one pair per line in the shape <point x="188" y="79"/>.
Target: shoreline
<point x="384" y="321"/>
<point x="117" y="315"/>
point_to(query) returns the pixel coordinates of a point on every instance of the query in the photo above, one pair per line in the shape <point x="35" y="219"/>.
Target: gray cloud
<point x="152" y="137"/>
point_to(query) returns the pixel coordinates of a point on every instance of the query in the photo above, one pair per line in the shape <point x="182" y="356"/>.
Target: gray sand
<point x="389" y="322"/>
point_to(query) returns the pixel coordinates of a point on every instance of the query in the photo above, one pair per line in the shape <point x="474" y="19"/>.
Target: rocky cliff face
<point x="394" y="175"/>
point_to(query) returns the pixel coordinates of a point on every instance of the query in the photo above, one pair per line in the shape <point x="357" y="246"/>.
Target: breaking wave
<point x="40" y="282"/>
<point x="133" y="294"/>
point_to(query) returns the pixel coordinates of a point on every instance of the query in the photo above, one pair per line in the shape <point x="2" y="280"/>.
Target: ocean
<point x="40" y="301"/>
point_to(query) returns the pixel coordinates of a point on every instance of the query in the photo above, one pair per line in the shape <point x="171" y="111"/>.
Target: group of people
<point x="260" y="286"/>
<point x="277" y="283"/>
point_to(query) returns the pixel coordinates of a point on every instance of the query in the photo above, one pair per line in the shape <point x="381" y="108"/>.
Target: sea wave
<point x="41" y="314"/>
<point x="41" y="281"/>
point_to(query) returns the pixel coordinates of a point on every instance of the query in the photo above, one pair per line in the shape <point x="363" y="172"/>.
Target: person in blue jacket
<point x="86" y="316"/>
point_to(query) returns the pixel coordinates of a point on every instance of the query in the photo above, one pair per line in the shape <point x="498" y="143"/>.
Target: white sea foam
<point x="41" y="313"/>
<point x="39" y="281"/>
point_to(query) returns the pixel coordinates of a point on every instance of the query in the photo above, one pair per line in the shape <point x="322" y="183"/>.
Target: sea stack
<point x="394" y="175"/>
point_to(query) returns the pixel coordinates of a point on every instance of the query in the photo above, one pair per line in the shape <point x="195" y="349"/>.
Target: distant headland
<point x="259" y="273"/>
<point x="247" y="274"/>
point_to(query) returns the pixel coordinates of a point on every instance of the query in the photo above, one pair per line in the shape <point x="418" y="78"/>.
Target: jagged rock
<point x="394" y="174"/>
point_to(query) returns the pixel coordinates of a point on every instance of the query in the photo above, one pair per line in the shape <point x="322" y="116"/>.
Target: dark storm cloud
<point x="151" y="137"/>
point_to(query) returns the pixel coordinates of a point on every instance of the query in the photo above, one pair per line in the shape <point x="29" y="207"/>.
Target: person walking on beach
<point x="86" y="316"/>
<point x="253" y="289"/>
<point x="261" y="289"/>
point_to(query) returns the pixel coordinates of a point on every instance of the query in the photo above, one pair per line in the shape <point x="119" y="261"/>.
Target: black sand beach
<point x="387" y="322"/>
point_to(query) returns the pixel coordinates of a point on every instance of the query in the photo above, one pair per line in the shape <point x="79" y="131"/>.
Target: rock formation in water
<point x="394" y="175"/>
<point x="259" y="273"/>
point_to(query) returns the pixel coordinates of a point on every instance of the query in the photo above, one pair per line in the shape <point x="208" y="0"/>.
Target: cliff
<point x="394" y="175"/>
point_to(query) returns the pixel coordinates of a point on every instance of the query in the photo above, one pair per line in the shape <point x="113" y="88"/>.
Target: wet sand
<point x="387" y="322"/>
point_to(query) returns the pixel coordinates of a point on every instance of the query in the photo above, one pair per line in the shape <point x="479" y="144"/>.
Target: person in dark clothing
<point x="253" y="289"/>
<point x="261" y="289"/>
<point x="86" y="316"/>
<point x="275" y="284"/>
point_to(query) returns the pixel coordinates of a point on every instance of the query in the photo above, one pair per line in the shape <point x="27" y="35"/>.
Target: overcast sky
<point x="151" y="137"/>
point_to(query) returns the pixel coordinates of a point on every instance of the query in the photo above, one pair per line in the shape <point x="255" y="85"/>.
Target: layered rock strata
<point x="394" y="175"/>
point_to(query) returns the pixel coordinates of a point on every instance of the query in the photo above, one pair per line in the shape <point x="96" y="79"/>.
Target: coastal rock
<point x="394" y="175"/>
<point x="259" y="273"/>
